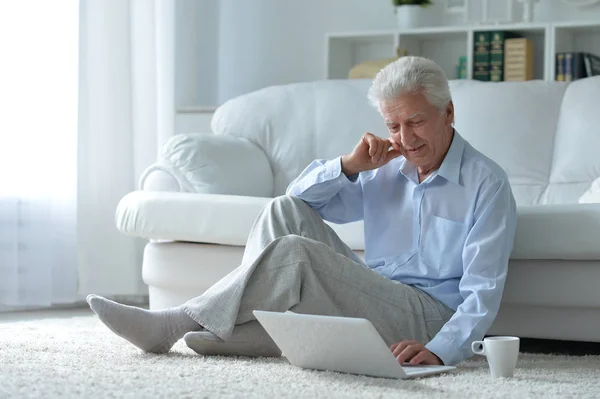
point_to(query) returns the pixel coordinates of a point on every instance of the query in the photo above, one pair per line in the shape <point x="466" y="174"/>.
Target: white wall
<point x="245" y="45"/>
<point x="265" y="42"/>
<point x="196" y="52"/>
<point x="193" y="122"/>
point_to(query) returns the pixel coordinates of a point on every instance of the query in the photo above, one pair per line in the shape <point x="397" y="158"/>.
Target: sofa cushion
<point x="513" y="123"/>
<point x="560" y="231"/>
<point x="543" y="232"/>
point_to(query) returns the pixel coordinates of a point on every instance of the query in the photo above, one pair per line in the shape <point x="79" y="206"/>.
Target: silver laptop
<point x="344" y="344"/>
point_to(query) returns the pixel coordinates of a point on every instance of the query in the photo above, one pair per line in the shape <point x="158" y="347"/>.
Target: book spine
<point x="497" y="56"/>
<point x="592" y="63"/>
<point x="517" y="58"/>
<point x="481" y="56"/>
<point x="578" y="66"/>
<point x="529" y="60"/>
<point x="568" y="67"/>
<point x="560" y="74"/>
<point x="588" y="66"/>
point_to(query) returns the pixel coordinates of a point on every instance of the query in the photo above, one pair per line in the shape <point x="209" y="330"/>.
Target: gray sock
<point x="153" y="331"/>
<point x="248" y="339"/>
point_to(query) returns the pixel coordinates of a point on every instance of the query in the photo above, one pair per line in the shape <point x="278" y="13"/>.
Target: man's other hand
<point x="415" y="353"/>
<point x="371" y="152"/>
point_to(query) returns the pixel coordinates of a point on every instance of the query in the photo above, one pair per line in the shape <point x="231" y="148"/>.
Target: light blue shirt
<point x="450" y="236"/>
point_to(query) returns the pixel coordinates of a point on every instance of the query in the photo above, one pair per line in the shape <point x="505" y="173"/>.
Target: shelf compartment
<point x="345" y="51"/>
<point x="576" y="37"/>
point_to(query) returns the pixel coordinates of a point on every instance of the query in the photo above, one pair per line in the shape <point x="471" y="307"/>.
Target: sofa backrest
<point x="544" y="134"/>
<point x="513" y="123"/>
<point x="297" y="123"/>
<point x="576" y="155"/>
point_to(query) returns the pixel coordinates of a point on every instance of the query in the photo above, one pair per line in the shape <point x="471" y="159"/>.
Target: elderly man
<point x="439" y="227"/>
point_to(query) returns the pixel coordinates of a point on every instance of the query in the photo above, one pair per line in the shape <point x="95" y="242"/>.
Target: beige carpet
<point x="79" y="357"/>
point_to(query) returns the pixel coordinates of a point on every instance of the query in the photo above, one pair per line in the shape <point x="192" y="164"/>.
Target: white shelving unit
<point x="574" y="36"/>
<point x="446" y="44"/>
<point x="343" y="49"/>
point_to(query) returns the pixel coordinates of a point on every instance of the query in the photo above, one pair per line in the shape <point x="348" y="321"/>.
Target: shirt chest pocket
<point x="441" y="244"/>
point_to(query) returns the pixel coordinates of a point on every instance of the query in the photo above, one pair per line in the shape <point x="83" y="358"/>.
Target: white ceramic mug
<point x="501" y="353"/>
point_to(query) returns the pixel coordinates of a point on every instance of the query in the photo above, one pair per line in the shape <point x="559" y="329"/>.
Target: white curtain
<point x="86" y="90"/>
<point x="38" y="138"/>
<point x="126" y="113"/>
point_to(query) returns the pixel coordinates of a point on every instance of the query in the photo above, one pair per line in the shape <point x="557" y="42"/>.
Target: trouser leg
<point x="306" y="276"/>
<point x="290" y="215"/>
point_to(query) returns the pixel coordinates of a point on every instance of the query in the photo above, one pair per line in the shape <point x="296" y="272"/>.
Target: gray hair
<point x="411" y="74"/>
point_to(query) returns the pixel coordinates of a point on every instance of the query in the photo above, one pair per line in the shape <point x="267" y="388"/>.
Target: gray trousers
<point x="294" y="261"/>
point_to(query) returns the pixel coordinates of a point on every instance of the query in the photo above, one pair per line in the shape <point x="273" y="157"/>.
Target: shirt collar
<point x="408" y="170"/>
<point x="450" y="167"/>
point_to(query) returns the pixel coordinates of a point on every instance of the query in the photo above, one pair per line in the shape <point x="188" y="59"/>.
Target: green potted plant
<point x="413" y="13"/>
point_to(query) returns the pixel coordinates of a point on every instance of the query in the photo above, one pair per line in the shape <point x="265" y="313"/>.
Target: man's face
<point x="422" y="132"/>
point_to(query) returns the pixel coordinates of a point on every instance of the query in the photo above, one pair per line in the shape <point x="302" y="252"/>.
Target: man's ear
<point x="449" y="113"/>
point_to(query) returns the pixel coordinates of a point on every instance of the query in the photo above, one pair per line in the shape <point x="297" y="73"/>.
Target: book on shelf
<point x="518" y="59"/>
<point x="481" y="56"/>
<point x="559" y="67"/>
<point x="592" y="64"/>
<point x="573" y="65"/>
<point x="490" y="57"/>
<point x="497" y="42"/>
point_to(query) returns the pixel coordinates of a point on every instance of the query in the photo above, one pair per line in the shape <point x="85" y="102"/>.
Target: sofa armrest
<point x="191" y="217"/>
<point x="563" y="231"/>
<point x="209" y="164"/>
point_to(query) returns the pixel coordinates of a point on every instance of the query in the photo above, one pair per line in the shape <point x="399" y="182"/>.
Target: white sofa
<point x="198" y="202"/>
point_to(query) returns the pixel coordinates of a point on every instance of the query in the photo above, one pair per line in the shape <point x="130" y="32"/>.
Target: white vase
<point x="528" y="9"/>
<point x="413" y="16"/>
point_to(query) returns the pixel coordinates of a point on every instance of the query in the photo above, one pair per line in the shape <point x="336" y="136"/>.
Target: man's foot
<point x="248" y="339"/>
<point x="153" y="331"/>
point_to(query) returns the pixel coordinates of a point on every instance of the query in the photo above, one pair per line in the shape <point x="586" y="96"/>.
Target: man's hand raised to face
<point x="371" y="152"/>
<point x="413" y="352"/>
